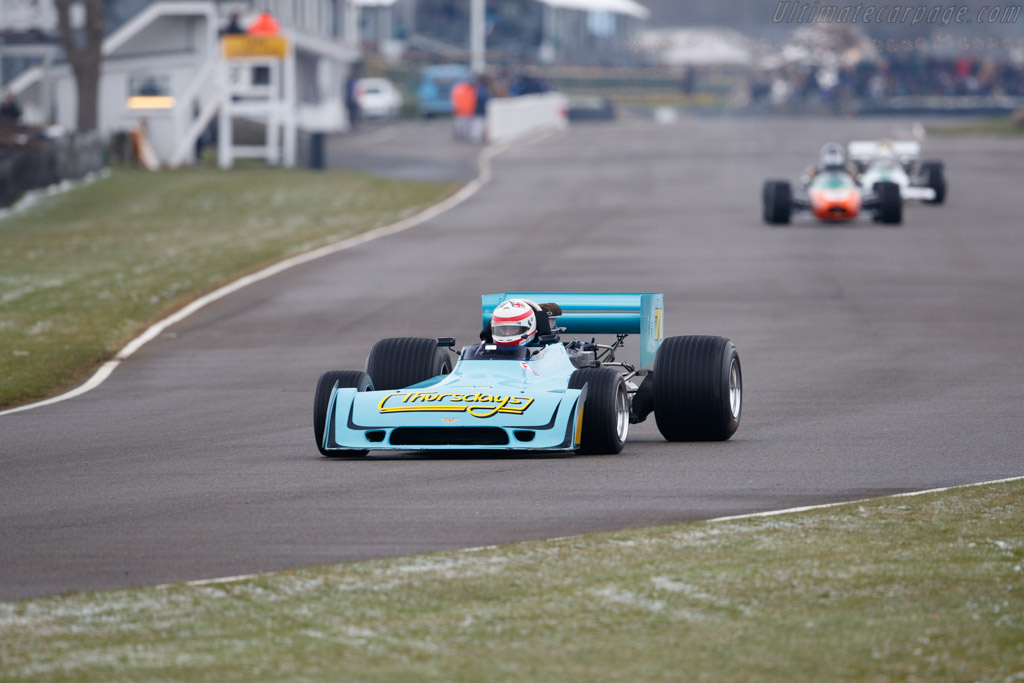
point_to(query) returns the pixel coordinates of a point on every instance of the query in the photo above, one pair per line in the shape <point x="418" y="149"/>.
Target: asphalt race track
<point x="876" y="360"/>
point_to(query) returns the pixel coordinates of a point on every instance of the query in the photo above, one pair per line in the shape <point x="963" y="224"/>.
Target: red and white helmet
<point x="514" y="323"/>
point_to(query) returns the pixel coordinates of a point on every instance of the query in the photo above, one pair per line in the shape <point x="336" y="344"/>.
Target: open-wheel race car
<point x="832" y="194"/>
<point x="551" y="393"/>
<point x="879" y="161"/>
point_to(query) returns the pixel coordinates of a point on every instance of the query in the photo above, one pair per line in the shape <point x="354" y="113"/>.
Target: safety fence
<point x="33" y="160"/>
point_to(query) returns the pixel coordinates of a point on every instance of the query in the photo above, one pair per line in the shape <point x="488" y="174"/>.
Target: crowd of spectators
<point x="469" y="99"/>
<point x="872" y="82"/>
<point x="962" y="76"/>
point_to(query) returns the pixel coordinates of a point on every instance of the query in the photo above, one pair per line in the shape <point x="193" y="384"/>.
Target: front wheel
<point x="777" y="200"/>
<point x="344" y="379"/>
<point x="935" y="178"/>
<point x="698" y="388"/>
<point x="400" y="362"/>
<point x="890" y="203"/>
<point x="605" y="412"/>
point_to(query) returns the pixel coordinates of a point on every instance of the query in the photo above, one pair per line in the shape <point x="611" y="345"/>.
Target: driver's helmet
<point x="514" y="323"/>
<point x="832" y="156"/>
<point x="885" y="150"/>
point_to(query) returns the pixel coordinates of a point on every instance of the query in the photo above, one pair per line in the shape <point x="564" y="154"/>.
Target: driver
<point x="831" y="158"/>
<point x="518" y="329"/>
<point x="514" y="323"/>
<point x="517" y="323"/>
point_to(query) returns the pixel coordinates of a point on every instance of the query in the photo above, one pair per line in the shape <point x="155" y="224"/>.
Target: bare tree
<point x="85" y="59"/>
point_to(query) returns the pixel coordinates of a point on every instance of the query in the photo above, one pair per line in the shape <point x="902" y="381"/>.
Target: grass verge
<point x="999" y="127"/>
<point x="922" y="588"/>
<point x="86" y="271"/>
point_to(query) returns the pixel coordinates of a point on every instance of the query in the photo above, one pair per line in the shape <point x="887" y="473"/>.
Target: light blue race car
<point x="552" y="396"/>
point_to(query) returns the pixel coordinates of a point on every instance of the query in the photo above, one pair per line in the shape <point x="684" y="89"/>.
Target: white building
<point x="164" y="65"/>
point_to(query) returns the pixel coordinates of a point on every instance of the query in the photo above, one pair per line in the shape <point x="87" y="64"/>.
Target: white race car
<point x="880" y="161"/>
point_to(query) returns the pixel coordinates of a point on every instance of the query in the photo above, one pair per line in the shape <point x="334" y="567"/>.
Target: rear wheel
<point x="400" y="362"/>
<point x="777" y="198"/>
<point x="605" y="412"/>
<point x="344" y="379"/>
<point x="890" y="203"/>
<point x="698" y="388"/>
<point x="933" y="174"/>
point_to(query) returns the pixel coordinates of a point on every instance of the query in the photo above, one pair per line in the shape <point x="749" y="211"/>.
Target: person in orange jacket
<point x="463" y="109"/>
<point x="265" y="25"/>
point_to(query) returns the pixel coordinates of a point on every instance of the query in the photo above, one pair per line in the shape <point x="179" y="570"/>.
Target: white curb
<point x="787" y="511"/>
<point x="467" y="191"/>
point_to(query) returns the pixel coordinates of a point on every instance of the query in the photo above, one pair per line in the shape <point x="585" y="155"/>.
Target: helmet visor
<point x="509" y="330"/>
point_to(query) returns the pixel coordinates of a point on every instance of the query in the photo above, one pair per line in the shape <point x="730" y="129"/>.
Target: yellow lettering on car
<point x="477" y="405"/>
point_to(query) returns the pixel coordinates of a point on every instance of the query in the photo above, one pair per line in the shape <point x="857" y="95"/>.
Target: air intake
<point x="449" y="436"/>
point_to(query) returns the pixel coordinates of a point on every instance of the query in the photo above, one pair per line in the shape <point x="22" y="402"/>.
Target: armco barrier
<point x="512" y="117"/>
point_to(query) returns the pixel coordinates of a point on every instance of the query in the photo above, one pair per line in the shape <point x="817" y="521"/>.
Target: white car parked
<point x="884" y="161"/>
<point x="378" y="98"/>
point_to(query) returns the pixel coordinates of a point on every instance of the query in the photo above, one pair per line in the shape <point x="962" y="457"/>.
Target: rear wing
<point x="604" y="313"/>
<point x="864" y="151"/>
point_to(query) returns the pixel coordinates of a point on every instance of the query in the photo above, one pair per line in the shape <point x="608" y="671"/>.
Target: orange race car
<point x="833" y="194"/>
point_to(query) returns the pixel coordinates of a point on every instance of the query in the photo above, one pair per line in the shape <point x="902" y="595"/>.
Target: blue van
<point x="435" y="90"/>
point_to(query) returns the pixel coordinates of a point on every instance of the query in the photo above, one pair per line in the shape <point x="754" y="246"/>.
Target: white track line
<point x="752" y="515"/>
<point x="787" y="511"/>
<point x="210" y="582"/>
<point x="467" y="191"/>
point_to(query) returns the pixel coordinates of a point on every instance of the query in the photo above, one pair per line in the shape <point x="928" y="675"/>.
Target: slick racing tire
<point x="933" y="175"/>
<point x="400" y="362"/>
<point x="777" y="198"/>
<point x="605" y="412"/>
<point x="698" y="389"/>
<point x="345" y="379"/>
<point x="890" y="203"/>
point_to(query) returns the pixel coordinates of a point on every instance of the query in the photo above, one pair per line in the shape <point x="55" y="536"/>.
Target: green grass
<point x="666" y="99"/>
<point x="86" y="271"/>
<point x="1000" y="127"/>
<point x="923" y="588"/>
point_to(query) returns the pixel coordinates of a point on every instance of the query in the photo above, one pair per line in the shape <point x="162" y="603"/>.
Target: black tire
<point x="400" y="362"/>
<point x="890" y="203"/>
<point x="933" y="175"/>
<point x="698" y="388"/>
<point x="605" y="412"/>
<point x="345" y="379"/>
<point x="777" y="198"/>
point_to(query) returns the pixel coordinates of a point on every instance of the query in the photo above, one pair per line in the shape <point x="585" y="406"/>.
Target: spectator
<point x="483" y="94"/>
<point x="463" y="110"/>
<point x="264" y="25"/>
<point x="10" y="109"/>
<point x="688" y="84"/>
<point x="527" y="83"/>
<point x="351" y="96"/>
<point x="233" y="27"/>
